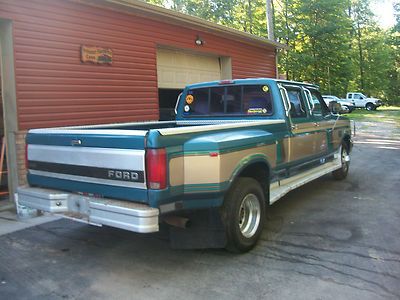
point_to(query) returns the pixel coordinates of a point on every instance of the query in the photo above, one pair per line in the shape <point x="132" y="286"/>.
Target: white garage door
<point x="176" y="69"/>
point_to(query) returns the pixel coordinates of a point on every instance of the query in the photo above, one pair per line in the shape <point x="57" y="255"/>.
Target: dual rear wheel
<point x="243" y="214"/>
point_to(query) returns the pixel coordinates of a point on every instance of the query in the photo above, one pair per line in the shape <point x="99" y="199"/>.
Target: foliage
<point x="334" y="43"/>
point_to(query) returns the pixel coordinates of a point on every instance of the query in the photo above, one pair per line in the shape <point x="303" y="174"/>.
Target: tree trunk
<point x="361" y="56"/>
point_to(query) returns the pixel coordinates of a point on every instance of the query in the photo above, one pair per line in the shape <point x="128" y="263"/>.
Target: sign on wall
<point x="96" y="55"/>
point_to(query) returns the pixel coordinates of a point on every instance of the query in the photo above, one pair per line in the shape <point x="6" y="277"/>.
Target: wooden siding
<point x="55" y="89"/>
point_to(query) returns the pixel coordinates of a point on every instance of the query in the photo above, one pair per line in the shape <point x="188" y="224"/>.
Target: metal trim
<point x="90" y="131"/>
<point x="224" y="125"/>
<point x="88" y="156"/>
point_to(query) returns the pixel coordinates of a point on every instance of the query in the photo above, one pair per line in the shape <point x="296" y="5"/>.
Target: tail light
<point x="156" y="169"/>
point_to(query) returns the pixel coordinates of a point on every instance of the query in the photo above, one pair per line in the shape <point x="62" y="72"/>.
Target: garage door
<point x="176" y="69"/>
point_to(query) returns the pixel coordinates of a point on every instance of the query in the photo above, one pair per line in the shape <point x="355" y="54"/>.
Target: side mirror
<point x="344" y="110"/>
<point x="337" y="108"/>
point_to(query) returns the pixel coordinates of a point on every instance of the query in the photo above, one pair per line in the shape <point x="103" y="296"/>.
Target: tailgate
<point x="106" y="163"/>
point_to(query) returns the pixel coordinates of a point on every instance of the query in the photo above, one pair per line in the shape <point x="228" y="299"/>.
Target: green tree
<point x="318" y="33"/>
<point x="394" y="72"/>
<point x="334" y="43"/>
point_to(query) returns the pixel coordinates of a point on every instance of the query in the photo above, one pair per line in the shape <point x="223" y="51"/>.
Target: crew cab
<point x="359" y="100"/>
<point x="235" y="148"/>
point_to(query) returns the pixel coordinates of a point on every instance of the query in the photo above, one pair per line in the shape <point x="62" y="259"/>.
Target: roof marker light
<point x="227" y="81"/>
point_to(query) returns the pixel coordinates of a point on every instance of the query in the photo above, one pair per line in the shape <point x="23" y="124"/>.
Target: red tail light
<point x="156" y="169"/>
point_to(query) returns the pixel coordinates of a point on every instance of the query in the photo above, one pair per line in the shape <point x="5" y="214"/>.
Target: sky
<point x="383" y="9"/>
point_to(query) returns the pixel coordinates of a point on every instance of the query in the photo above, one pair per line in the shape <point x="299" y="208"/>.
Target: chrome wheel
<point x="249" y="215"/>
<point x="345" y="160"/>
<point x="341" y="173"/>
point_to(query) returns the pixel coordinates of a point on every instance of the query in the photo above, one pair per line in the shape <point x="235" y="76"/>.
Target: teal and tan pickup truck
<point x="236" y="147"/>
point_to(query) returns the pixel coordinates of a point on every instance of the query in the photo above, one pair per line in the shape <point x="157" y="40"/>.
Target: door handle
<point x="316" y="124"/>
<point x="294" y="126"/>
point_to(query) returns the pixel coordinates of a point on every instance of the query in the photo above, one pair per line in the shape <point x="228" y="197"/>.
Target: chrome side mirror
<point x="337" y="108"/>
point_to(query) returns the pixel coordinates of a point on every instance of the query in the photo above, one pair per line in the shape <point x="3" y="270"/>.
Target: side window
<point x="357" y="96"/>
<point x="298" y="106"/>
<point x="320" y="107"/>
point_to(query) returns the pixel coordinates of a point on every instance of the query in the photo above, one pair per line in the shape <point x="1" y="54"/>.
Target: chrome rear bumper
<point x="126" y="215"/>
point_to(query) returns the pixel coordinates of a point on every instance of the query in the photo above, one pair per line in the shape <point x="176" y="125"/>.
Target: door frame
<point x="9" y="96"/>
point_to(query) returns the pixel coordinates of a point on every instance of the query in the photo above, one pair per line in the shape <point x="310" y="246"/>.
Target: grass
<point x="388" y="114"/>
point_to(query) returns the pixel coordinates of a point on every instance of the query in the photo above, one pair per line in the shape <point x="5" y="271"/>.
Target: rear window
<point x="229" y="100"/>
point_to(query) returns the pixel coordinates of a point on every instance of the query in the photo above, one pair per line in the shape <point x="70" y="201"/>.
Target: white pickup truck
<point x="359" y="100"/>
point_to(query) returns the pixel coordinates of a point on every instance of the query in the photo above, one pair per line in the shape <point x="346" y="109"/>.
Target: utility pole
<point x="270" y="23"/>
<point x="329" y="81"/>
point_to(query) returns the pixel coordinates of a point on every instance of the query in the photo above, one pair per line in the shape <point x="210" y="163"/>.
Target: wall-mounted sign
<point x="96" y="55"/>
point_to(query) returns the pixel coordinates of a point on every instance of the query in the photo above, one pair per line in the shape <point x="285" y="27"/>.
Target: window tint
<point x="233" y="100"/>
<point x="257" y="100"/>
<point x="217" y="101"/>
<point x="200" y="106"/>
<point x="229" y="100"/>
<point x="298" y="107"/>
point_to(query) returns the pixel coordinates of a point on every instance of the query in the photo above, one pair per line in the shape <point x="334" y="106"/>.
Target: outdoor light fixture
<point x="199" y="41"/>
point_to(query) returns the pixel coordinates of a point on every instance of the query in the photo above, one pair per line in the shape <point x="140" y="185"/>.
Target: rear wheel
<point x="370" y="106"/>
<point x="243" y="214"/>
<point x="341" y="173"/>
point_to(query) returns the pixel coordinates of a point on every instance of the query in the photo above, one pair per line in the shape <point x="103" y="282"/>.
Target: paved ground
<point x="10" y="222"/>
<point x="327" y="240"/>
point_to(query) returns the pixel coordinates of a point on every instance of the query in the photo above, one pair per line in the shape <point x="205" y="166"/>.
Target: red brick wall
<point x="55" y="89"/>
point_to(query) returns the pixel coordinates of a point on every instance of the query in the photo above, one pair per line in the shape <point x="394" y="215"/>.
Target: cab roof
<point x="250" y="81"/>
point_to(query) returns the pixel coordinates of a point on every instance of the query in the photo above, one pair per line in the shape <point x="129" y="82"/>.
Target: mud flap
<point x="205" y="231"/>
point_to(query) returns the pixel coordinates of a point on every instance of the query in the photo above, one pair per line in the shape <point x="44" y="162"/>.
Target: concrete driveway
<point x="327" y="240"/>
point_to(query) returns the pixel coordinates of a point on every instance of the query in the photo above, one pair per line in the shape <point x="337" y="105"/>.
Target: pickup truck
<point x="359" y="100"/>
<point x="236" y="147"/>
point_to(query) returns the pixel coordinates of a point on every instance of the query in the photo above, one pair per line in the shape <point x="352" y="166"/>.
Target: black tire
<point x="246" y="194"/>
<point x="341" y="173"/>
<point x="370" y="106"/>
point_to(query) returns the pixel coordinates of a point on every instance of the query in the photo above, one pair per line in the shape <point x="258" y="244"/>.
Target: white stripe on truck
<point x="124" y="159"/>
<point x="113" y="159"/>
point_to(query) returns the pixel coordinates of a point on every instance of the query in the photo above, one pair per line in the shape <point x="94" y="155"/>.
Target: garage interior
<point x="177" y="68"/>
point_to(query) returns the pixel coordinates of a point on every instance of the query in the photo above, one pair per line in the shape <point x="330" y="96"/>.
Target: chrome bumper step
<point x="126" y="215"/>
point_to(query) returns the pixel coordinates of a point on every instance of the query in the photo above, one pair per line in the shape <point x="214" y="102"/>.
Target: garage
<point x="71" y="63"/>
<point x="176" y="69"/>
